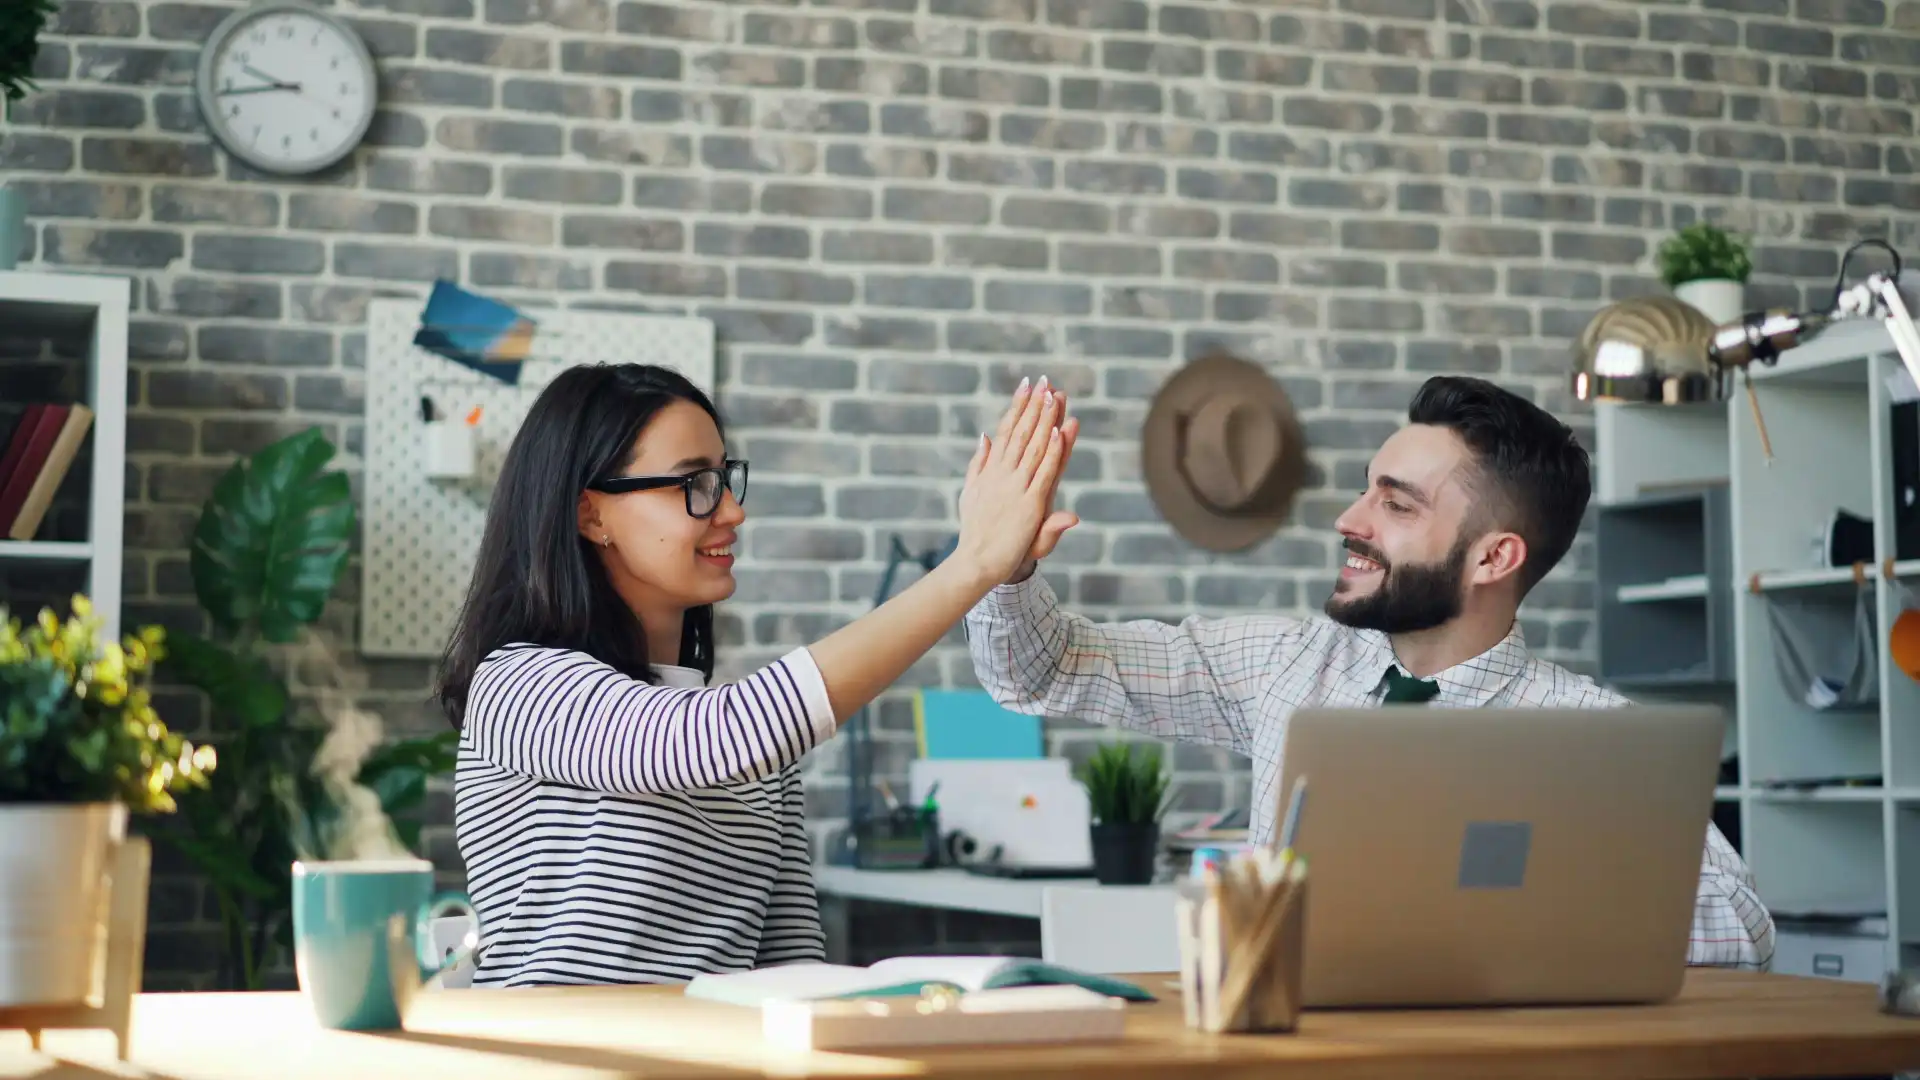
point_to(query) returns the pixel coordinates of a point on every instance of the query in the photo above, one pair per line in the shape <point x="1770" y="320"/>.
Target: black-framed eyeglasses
<point x="702" y="487"/>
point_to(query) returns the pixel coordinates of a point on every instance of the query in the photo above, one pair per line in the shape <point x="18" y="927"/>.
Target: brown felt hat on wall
<point x="1223" y="453"/>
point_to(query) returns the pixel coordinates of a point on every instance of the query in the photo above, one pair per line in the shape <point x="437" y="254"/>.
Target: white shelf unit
<point x="1828" y="798"/>
<point x="95" y="306"/>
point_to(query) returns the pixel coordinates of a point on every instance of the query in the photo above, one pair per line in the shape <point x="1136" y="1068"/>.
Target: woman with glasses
<point x="621" y="821"/>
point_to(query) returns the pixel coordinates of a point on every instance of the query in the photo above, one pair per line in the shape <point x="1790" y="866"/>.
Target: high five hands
<point x="1007" y="520"/>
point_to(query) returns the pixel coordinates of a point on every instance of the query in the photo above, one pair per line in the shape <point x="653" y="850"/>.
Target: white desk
<point x="951" y="889"/>
<point x="1085" y="924"/>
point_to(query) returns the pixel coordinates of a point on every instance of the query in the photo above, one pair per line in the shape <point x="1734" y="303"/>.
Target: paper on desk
<point x="814" y="981"/>
<point x="972" y="972"/>
<point x="789" y="982"/>
<point x="1032" y="1014"/>
<point x="899" y="975"/>
<point x="1037" y="998"/>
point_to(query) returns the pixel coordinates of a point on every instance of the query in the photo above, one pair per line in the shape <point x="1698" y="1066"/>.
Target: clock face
<point x="287" y="89"/>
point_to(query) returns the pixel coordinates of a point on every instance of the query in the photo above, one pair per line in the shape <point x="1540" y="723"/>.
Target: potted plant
<point x="267" y="553"/>
<point x="20" y="24"/>
<point x="1127" y="793"/>
<point x="1707" y="266"/>
<point x="81" y="748"/>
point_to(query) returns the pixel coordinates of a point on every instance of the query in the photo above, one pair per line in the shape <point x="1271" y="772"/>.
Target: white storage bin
<point x="1848" y="957"/>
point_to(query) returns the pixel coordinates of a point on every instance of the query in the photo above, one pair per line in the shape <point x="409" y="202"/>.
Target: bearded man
<point x="1466" y="508"/>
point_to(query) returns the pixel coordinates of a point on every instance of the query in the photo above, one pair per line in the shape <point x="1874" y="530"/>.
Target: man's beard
<point x="1411" y="596"/>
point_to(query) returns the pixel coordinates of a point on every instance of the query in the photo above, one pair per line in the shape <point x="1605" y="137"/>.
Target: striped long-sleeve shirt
<point x="1234" y="682"/>
<point x="616" y="831"/>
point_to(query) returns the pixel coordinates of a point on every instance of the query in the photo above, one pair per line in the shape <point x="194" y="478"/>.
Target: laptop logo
<point x="1493" y="854"/>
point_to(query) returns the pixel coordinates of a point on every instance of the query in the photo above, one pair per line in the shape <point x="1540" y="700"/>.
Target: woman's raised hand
<point x="1004" y="520"/>
<point x="1010" y="483"/>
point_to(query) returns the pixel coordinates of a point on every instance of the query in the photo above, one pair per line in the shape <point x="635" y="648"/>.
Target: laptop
<point x="1500" y="856"/>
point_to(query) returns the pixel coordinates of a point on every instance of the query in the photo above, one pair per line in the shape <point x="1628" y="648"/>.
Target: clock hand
<point x="235" y="90"/>
<point x="278" y="84"/>
<point x="321" y="100"/>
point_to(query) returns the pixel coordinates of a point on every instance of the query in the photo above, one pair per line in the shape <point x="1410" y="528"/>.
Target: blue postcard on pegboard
<point x="476" y="332"/>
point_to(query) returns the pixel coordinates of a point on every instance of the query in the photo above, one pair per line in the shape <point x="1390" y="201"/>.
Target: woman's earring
<point x="606" y="541"/>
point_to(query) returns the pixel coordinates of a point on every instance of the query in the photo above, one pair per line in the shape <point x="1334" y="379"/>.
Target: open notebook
<point x="898" y="975"/>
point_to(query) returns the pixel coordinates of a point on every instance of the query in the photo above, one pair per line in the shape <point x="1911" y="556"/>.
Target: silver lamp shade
<point x="1647" y="350"/>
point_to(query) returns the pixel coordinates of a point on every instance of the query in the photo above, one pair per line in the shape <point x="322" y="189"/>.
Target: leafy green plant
<point x="1701" y="252"/>
<point x="267" y="553"/>
<point x="77" y="724"/>
<point x="20" y="24"/>
<point x="1125" y="783"/>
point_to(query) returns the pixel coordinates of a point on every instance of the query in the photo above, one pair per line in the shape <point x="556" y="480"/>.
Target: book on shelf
<point x="36" y="460"/>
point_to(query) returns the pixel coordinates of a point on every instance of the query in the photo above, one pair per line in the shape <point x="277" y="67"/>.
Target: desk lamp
<point x="1658" y="350"/>
<point x="1763" y="336"/>
<point x="860" y="780"/>
<point x="1650" y="350"/>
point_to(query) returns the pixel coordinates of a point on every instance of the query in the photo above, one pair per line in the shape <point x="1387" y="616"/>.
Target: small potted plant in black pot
<point x="1128" y="793"/>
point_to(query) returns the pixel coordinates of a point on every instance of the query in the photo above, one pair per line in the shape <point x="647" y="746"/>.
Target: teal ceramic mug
<point x="363" y="938"/>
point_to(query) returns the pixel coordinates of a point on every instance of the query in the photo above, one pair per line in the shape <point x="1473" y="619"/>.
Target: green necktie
<point x="1404" y="687"/>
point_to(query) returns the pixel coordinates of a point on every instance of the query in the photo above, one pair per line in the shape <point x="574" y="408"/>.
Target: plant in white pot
<point x="81" y="749"/>
<point x="20" y="24"/>
<point x="1707" y="266"/>
<point x="1127" y="792"/>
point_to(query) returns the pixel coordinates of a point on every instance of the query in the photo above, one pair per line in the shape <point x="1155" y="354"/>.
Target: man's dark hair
<point x="1534" y="476"/>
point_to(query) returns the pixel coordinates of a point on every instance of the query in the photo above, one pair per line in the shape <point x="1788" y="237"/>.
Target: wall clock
<point x="287" y="88"/>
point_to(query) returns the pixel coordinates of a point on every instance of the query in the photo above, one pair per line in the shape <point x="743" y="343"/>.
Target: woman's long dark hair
<point x="537" y="580"/>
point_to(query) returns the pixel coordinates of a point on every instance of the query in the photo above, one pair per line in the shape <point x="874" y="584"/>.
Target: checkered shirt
<point x="1233" y="682"/>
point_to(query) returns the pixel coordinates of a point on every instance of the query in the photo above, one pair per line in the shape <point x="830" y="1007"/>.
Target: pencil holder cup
<point x="905" y="839"/>
<point x="1242" y="953"/>
<point x="448" y="454"/>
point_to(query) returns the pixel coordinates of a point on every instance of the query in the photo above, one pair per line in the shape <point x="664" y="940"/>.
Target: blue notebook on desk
<point x="896" y="976"/>
<point x="970" y="724"/>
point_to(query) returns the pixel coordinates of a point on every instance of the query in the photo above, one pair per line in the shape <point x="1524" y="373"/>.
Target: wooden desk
<point x="1726" y="1024"/>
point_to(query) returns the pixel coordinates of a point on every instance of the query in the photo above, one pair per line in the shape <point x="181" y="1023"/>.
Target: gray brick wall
<point x="895" y="208"/>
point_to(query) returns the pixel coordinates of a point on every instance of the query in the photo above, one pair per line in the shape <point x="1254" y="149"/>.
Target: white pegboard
<point x="420" y="535"/>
